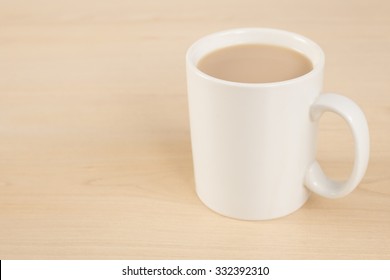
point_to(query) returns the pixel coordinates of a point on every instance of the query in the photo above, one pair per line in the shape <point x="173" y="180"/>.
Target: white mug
<point x="254" y="144"/>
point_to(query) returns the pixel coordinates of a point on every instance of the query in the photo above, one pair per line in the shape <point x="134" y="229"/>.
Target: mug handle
<point x="315" y="179"/>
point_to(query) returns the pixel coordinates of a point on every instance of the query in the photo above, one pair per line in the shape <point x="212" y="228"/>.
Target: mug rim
<point x="318" y="66"/>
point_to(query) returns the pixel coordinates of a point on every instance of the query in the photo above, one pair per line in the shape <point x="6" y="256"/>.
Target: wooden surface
<point x="95" y="156"/>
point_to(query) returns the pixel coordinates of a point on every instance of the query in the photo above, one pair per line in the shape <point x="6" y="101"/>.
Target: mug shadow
<point x="172" y="147"/>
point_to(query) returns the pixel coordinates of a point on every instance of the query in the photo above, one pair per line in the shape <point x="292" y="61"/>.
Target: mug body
<point x="252" y="142"/>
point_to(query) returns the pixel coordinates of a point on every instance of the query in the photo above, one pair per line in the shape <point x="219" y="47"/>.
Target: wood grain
<point x="95" y="157"/>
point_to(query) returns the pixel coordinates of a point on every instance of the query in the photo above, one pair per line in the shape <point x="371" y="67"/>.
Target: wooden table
<point x="95" y="156"/>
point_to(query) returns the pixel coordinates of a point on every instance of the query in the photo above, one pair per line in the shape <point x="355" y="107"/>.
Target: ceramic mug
<point x="254" y="144"/>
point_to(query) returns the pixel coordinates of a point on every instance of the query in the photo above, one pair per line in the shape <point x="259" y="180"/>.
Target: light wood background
<point x="95" y="156"/>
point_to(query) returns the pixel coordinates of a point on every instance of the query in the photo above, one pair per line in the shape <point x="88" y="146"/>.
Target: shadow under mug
<point x="254" y="144"/>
